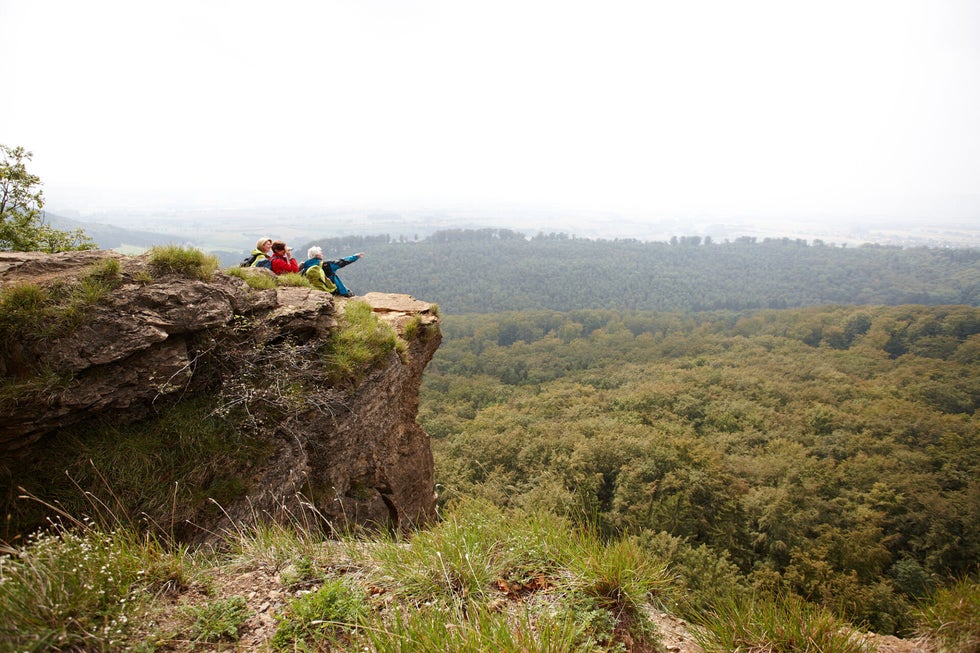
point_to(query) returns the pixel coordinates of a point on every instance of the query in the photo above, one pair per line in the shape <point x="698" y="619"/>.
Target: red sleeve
<point x="281" y="265"/>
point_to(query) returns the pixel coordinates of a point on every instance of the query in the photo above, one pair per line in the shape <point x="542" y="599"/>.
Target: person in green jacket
<point x="323" y="274"/>
<point x="262" y="252"/>
<point x="318" y="279"/>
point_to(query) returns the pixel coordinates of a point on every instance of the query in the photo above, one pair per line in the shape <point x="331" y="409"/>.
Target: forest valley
<point x="761" y="438"/>
<point x="830" y="453"/>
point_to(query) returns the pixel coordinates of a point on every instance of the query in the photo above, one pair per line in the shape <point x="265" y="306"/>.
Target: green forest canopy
<point x="493" y="270"/>
<point x="830" y="452"/>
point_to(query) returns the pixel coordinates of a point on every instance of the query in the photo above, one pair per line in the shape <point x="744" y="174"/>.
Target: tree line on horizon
<point x="494" y="270"/>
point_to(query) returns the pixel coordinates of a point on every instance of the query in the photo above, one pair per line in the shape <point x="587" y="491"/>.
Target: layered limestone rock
<point x="350" y="450"/>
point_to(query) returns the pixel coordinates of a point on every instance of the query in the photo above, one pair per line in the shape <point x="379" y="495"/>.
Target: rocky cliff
<point x="292" y="431"/>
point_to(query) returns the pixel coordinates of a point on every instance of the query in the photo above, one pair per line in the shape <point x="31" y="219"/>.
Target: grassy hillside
<point x="484" y="579"/>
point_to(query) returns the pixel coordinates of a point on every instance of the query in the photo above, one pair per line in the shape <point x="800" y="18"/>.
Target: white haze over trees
<point x="700" y="112"/>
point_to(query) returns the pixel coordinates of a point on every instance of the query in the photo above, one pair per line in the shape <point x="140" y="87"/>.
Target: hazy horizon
<point x="837" y="114"/>
<point x="235" y="228"/>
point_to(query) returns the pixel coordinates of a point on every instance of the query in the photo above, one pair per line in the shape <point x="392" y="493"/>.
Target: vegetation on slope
<point x="831" y="453"/>
<point x="484" y="579"/>
<point x="796" y="465"/>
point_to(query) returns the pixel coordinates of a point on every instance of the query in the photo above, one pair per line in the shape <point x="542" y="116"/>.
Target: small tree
<point x="22" y="227"/>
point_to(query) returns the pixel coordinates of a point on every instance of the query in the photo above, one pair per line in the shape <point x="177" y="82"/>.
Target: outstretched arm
<point x="347" y="260"/>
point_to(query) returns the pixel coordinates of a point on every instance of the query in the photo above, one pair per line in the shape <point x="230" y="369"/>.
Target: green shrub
<point x="219" y="620"/>
<point x="951" y="617"/>
<point x="329" y="614"/>
<point x="184" y="261"/>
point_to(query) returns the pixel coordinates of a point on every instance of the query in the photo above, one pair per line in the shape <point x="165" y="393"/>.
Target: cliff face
<point x="345" y="448"/>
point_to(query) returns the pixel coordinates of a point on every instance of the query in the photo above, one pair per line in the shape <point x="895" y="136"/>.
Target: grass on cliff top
<point x="362" y="341"/>
<point x="185" y="261"/>
<point x="256" y="279"/>
<point x="263" y="279"/>
<point x="483" y="579"/>
<point x="31" y="312"/>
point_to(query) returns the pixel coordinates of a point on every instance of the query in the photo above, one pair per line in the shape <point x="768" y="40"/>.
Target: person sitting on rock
<point x="282" y="258"/>
<point x="261" y="253"/>
<point x="323" y="274"/>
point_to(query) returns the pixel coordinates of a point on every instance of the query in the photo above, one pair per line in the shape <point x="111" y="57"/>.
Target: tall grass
<point x="782" y="625"/>
<point x="454" y="563"/>
<point x="428" y="631"/>
<point x="81" y="589"/>
<point x="483" y="579"/>
<point x="480" y="558"/>
<point x="165" y="469"/>
<point x="951" y="617"/>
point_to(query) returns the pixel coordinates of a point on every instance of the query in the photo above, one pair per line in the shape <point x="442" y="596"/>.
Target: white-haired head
<point x="314" y="252"/>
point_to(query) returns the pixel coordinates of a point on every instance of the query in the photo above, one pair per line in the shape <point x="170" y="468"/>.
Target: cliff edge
<point x="136" y="382"/>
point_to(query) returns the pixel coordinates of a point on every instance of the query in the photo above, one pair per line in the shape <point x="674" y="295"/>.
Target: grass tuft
<point x="361" y="341"/>
<point x="256" y="278"/>
<point x="782" y="625"/>
<point x="185" y="261"/>
<point x="951" y="617"/>
<point x="219" y="620"/>
<point x="293" y="279"/>
<point x="330" y="614"/>
<point x="434" y="630"/>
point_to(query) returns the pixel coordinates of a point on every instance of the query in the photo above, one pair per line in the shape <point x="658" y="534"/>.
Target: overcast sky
<point x="718" y="107"/>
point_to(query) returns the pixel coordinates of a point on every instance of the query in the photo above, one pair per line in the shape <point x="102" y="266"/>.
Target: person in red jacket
<point x="282" y="258"/>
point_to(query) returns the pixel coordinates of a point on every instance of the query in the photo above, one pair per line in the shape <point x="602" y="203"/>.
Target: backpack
<point x="249" y="260"/>
<point x="316" y="275"/>
<point x="306" y="265"/>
